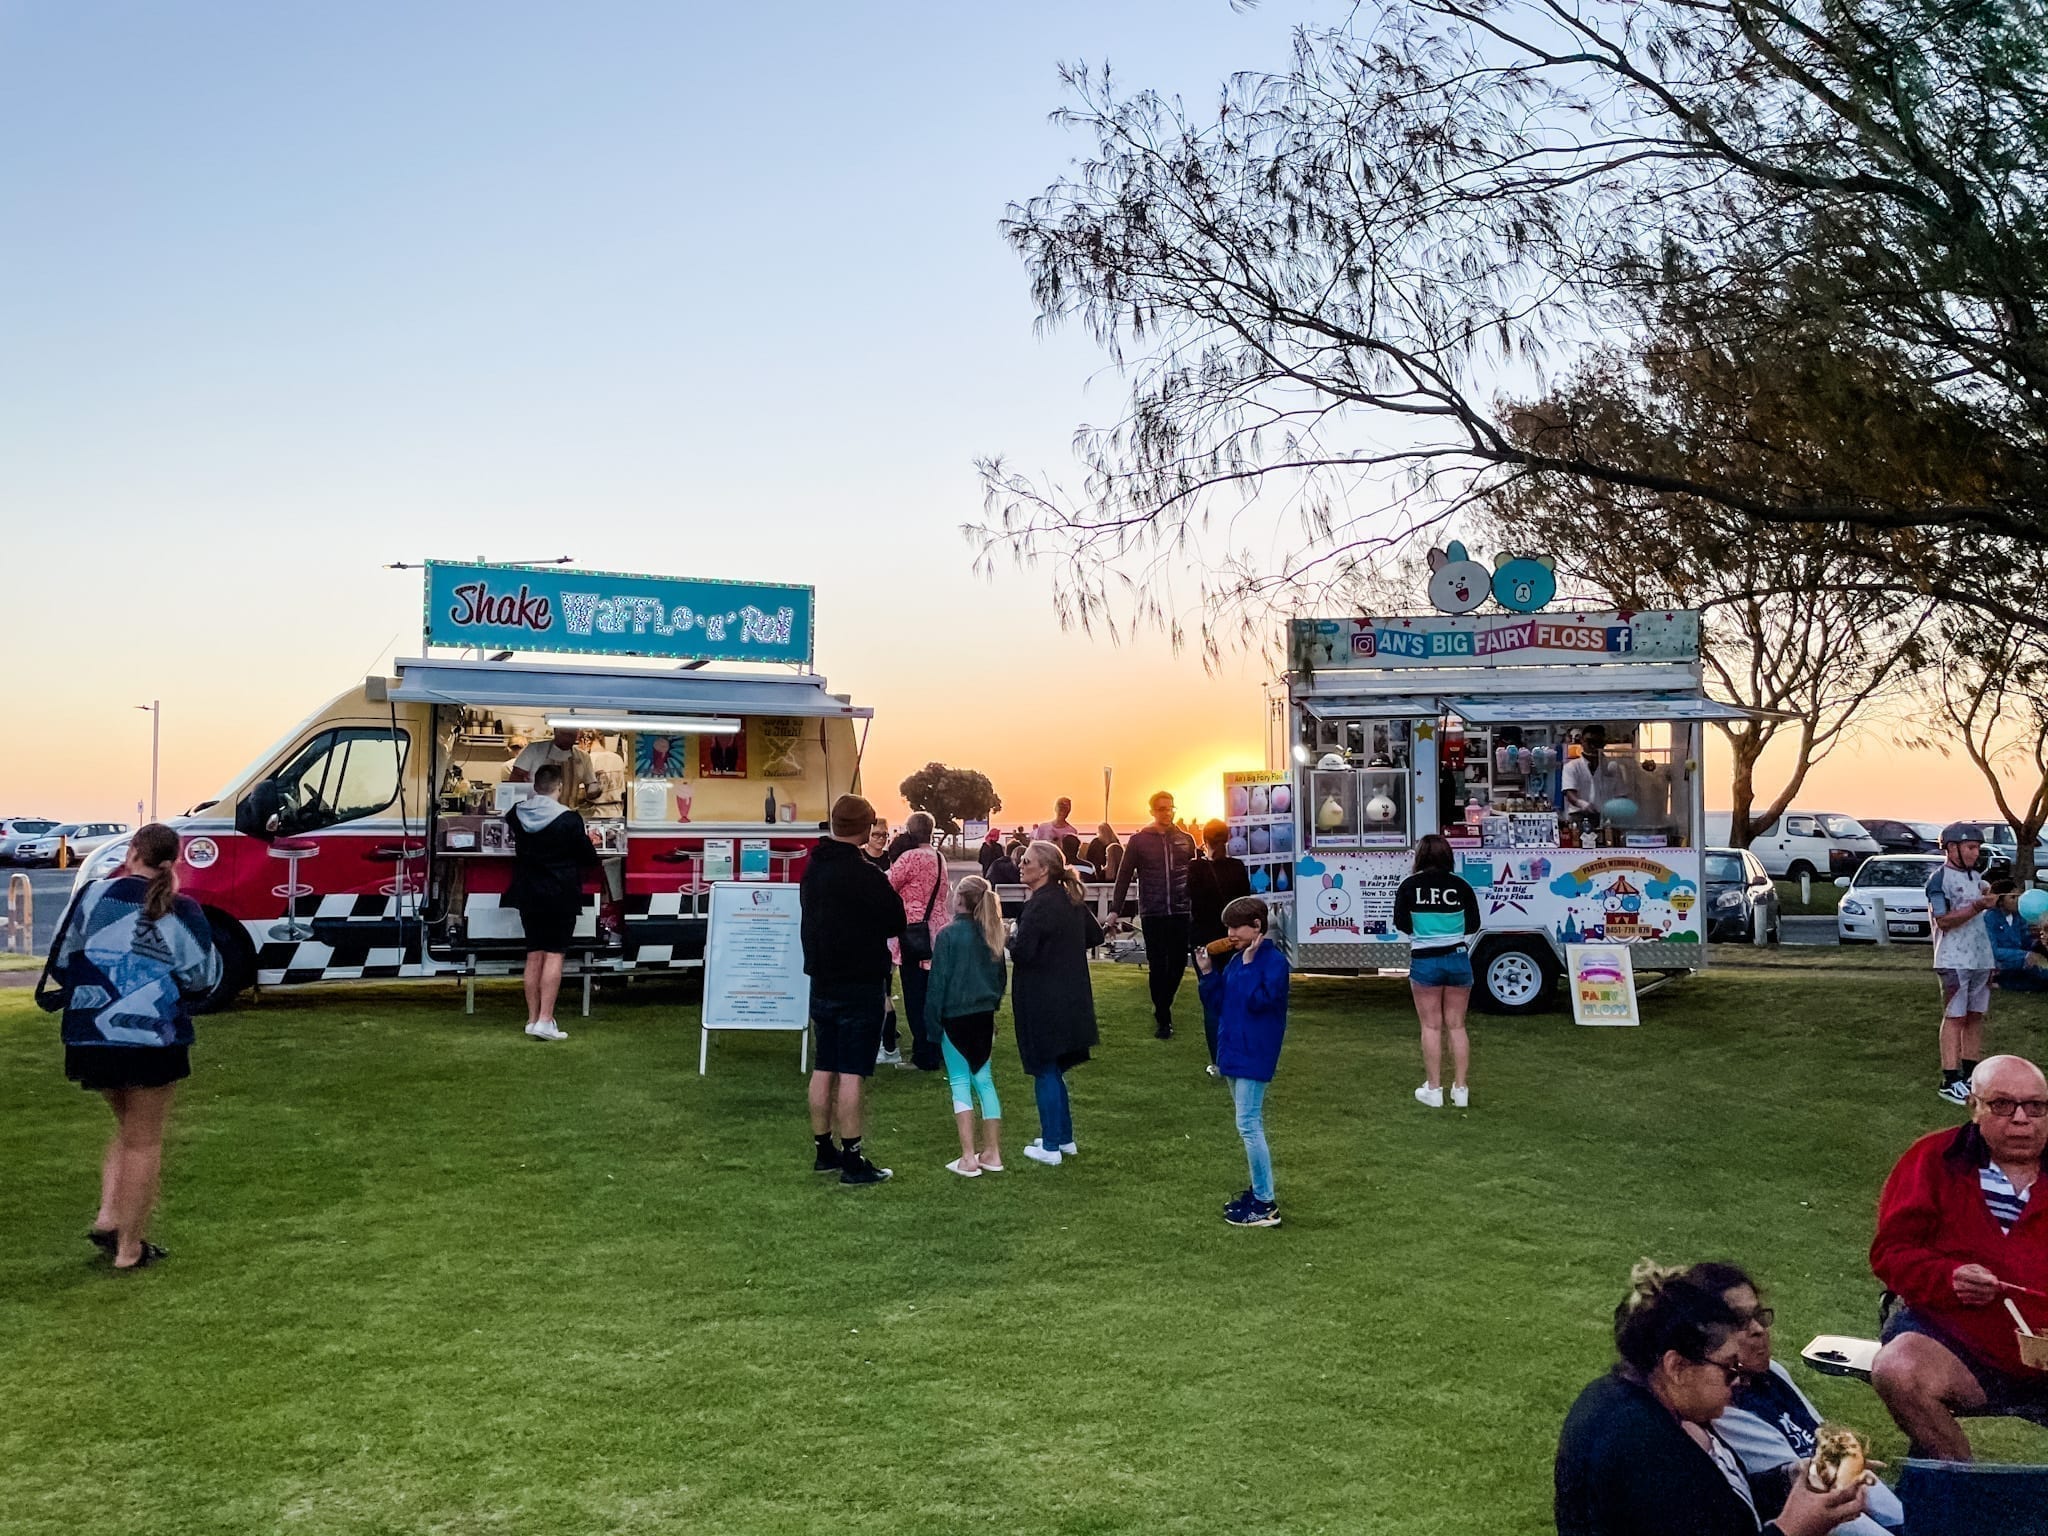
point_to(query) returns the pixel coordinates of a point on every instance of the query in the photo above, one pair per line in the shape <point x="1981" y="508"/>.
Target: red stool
<point x="292" y="850"/>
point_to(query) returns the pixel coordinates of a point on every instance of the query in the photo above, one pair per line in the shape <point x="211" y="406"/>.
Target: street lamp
<point x="155" y="710"/>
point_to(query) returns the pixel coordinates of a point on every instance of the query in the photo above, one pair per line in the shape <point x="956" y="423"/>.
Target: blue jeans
<point x="1055" y="1114"/>
<point x="1250" y="1099"/>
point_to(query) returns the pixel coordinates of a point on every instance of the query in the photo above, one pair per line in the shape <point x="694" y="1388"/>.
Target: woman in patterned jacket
<point x="129" y="956"/>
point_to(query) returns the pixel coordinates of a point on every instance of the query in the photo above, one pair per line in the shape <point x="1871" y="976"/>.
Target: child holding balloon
<point x="2014" y="926"/>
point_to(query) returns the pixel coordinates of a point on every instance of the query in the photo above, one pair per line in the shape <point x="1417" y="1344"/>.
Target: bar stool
<point x="292" y="850"/>
<point x="403" y="857"/>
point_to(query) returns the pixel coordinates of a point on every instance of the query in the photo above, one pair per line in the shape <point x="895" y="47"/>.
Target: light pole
<point x="155" y="710"/>
<point x="1105" y="793"/>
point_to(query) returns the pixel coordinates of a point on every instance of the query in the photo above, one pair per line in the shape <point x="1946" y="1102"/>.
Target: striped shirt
<point x="2005" y="1200"/>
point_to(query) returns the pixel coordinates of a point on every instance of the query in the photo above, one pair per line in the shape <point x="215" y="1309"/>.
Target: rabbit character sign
<point x="1334" y="906"/>
<point x="1457" y="582"/>
<point x="1524" y="583"/>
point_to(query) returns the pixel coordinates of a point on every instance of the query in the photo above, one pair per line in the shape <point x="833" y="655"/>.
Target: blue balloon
<point x="2034" y="905"/>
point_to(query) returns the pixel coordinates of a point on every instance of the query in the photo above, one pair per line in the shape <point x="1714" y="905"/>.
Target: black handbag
<point x="916" y="943"/>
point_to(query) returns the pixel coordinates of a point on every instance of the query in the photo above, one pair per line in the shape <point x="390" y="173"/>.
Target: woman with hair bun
<point x="1054" y="1001"/>
<point x="1639" y="1455"/>
<point x="129" y="956"/>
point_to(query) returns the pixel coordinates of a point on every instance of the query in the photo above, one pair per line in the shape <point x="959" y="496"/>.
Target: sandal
<point x="151" y="1254"/>
<point x="106" y="1239"/>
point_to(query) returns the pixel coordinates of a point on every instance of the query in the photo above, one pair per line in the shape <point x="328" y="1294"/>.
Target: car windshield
<point x="1841" y="826"/>
<point x="1726" y="868"/>
<point x="1893" y="875"/>
<point x="1998" y="835"/>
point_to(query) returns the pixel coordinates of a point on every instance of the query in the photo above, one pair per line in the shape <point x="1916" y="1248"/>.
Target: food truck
<point x="1464" y="724"/>
<point x="370" y="842"/>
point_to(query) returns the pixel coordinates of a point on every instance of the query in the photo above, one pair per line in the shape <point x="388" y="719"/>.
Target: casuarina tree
<point x="1327" y="287"/>
<point x="951" y="795"/>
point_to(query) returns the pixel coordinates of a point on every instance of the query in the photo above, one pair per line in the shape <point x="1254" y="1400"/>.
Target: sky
<point x="290" y="293"/>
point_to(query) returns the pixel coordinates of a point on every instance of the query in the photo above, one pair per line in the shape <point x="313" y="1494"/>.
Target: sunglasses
<point x="2005" y="1109"/>
<point x="1735" y="1375"/>
<point x="1763" y="1317"/>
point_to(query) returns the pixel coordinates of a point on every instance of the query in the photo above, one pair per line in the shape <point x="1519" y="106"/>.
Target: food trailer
<point x="1464" y="724"/>
<point x="370" y="842"/>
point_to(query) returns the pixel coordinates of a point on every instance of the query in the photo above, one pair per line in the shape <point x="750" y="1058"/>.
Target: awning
<point x="1575" y="708"/>
<point x="545" y="689"/>
<point x="1371" y="706"/>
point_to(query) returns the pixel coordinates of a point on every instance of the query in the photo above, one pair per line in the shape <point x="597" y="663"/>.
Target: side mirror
<point x="257" y="810"/>
<point x="1841" y="882"/>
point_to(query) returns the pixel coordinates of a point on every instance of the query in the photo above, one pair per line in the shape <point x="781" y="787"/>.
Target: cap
<point x="1961" y="832"/>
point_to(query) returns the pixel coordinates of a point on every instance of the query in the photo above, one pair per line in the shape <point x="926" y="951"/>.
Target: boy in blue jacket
<point x="1249" y="993"/>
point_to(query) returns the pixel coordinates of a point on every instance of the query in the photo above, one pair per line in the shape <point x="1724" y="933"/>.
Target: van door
<point x="1803" y="848"/>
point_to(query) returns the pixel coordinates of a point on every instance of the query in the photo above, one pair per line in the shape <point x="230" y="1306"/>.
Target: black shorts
<point x="2005" y="1395"/>
<point x="102" y="1068"/>
<point x="549" y="927"/>
<point x="846" y="1026"/>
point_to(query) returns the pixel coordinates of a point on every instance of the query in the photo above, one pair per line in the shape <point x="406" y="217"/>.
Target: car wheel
<point x="1516" y="977"/>
<point x="1800" y="867"/>
<point x="237" y="962"/>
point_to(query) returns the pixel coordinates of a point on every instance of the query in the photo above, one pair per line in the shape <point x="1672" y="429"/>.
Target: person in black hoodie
<point x="552" y="855"/>
<point x="1639" y="1455"/>
<point x="850" y="915"/>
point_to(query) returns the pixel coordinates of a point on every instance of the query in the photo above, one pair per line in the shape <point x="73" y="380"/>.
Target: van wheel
<point x="1801" y="867"/>
<point x="237" y="962"/>
<point x="1516" y="977"/>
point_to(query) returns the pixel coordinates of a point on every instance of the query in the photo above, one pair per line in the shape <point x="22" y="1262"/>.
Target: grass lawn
<point x="1826" y="897"/>
<point x="431" y="1276"/>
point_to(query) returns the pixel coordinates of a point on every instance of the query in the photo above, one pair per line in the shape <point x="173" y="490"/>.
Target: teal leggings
<point x="971" y="1085"/>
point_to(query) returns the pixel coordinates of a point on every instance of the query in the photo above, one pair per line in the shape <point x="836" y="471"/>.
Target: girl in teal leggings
<point x="965" y="988"/>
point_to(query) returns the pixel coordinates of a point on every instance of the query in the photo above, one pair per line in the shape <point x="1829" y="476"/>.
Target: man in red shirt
<point x="1958" y="1233"/>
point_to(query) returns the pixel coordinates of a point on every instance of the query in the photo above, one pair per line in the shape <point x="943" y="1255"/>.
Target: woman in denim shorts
<point x="1440" y="914"/>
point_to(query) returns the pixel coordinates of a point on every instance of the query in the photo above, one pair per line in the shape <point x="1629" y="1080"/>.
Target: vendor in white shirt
<point x="1577" y="776"/>
<point x="580" y="784"/>
<point x="1595" y="777"/>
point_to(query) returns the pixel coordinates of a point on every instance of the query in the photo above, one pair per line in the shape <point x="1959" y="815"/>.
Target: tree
<point x="1988" y="691"/>
<point x="951" y="795"/>
<point x="1791" y="627"/>
<point x="1317" y="289"/>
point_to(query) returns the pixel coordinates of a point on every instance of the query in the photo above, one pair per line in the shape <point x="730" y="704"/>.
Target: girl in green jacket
<point x="966" y="987"/>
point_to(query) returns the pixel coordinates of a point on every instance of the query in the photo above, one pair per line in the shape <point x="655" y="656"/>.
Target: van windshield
<point x="1841" y="826"/>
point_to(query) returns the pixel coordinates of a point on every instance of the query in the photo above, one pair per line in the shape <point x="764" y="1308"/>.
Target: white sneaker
<point x="1038" y="1154"/>
<point x="1066" y="1147"/>
<point x="1433" y="1097"/>
<point x="547" y="1029"/>
<point x="534" y="1029"/>
<point x="1461" y="1098"/>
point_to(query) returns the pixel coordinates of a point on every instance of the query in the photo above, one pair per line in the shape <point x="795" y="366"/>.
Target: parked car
<point x="2001" y="843"/>
<point x="1737" y="889"/>
<point x="16" y="830"/>
<point x="1899" y="880"/>
<point x="82" y="838"/>
<point x="1904" y="836"/>
<point x="1823" y="844"/>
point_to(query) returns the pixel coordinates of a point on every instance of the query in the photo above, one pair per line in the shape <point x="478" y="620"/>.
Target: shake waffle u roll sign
<point x="614" y="613"/>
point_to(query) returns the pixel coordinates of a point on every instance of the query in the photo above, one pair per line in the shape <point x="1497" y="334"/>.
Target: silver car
<point x="82" y="838"/>
<point x="16" y="830"/>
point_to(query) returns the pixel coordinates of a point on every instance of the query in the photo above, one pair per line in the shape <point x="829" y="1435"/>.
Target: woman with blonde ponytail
<point x="964" y="989"/>
<point x="1054" y="1005"/>
<point x="129" y="956"/>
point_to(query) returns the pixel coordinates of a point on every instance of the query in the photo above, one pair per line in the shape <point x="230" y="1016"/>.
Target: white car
<point x="1823" y="844"/>
<point x="1898" y="882"/>
<point x="16" y="830"/>
<point x="83" y="837"/>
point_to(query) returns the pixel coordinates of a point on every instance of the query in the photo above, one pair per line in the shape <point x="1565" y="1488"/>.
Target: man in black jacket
<point x="1158" y="856"/>
<point x="850" y="914"/>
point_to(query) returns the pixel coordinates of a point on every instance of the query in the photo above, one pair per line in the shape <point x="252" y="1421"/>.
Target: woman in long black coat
<point x="1051" y="996"/>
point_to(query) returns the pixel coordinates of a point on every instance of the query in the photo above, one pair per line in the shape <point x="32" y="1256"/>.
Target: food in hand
<point x="1839" y="1460"/>
<point x="1218" y="948"/>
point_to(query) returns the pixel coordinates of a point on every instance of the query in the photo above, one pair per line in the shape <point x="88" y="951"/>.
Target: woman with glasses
<point x="1770" y="1424"/>
<point x="1639" y="1455"/>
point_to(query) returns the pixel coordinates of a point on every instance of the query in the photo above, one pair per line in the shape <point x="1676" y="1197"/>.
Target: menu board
<point x="754" y="960"/>
<point x="1603" y="983"/>
<point x="1259" y="810"/>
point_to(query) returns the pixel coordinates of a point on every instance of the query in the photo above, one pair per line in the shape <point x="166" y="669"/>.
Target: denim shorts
<point x="1445" y="968"/>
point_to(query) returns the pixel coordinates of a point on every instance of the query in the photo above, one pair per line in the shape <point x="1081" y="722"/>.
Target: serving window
<point x="1358" y="784"/>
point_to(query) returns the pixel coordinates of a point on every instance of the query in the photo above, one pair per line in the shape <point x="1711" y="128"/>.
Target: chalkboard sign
<point x="754" y="965"/>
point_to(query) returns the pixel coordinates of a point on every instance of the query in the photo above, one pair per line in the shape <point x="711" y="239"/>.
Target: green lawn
<point x="1826" y="897"/>
<point x="430" y="1276"/>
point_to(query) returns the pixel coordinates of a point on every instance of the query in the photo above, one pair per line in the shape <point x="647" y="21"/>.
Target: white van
<point x="1823" y="844"/>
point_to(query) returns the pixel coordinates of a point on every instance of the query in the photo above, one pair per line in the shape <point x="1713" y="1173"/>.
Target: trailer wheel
<point x="1516" y="977"/>
<point x="237" y="962"/>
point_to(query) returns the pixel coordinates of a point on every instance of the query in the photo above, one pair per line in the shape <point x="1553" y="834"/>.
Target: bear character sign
<point x="1457" y="582"/>
<point x="1524" y="583"/>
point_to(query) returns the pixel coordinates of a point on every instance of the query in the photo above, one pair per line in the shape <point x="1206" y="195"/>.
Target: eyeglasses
<point x="1763" y="1317"/>
<point x="1735" y="1375"/>
<point x="2005" y="1109"/>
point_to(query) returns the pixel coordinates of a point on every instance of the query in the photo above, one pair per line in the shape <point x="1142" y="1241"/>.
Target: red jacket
<point x="1931" y="1220"/>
